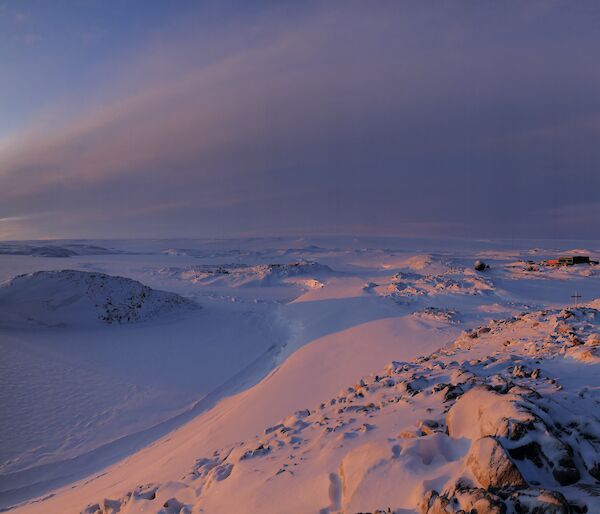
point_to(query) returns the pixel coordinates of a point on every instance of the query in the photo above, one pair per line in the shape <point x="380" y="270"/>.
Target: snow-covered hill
<point x="69" y="297"/>
<point x="506" y="419"/>
<point x="53" y="250"/>
<point x="303" y="273"/>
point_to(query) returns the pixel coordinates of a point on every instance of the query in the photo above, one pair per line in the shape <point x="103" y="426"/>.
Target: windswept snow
<point x="498" y="420"/>
<point x="319" y="376"/>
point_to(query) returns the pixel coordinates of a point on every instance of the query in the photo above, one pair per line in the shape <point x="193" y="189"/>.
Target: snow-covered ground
<point x="298" y="375"/>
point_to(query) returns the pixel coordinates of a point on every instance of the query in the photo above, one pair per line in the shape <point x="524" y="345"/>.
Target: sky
<point x="129" y="118"/>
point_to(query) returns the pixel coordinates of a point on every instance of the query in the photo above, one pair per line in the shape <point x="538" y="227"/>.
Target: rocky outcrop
<point x="462" y="499"/>
<point x="507" y="429"/>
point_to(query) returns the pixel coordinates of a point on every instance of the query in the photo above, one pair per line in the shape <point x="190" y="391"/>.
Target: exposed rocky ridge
<point x="453" y="281"/>
<point x="495" y="423"/>
<point x="430" y="282"/>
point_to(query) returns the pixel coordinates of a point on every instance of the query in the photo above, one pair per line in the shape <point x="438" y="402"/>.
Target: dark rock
<point x="530" y="451"/>
<point x="480" y="266"/>
<point x="453" y="392"/>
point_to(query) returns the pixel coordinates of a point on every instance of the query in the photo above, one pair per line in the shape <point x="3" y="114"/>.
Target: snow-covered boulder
<point x="71" y="297"/>
<point x="483" y="412"/>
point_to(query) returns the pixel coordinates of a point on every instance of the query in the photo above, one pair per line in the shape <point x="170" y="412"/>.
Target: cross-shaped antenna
<point x="576" y="297"/>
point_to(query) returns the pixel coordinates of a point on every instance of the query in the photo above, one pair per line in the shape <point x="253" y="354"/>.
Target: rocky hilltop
<point x="72" y="297"/>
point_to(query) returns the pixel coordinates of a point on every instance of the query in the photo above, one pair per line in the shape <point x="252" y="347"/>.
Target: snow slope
<point x="316" y="369"/>
<point x="506" y="417"/>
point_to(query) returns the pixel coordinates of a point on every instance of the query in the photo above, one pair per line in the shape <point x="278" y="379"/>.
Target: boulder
<point x="492" y="467"/>
<point x="480" y="266"/>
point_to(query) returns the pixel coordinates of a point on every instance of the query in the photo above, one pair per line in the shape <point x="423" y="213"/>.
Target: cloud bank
<point x="390" y="118"/>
